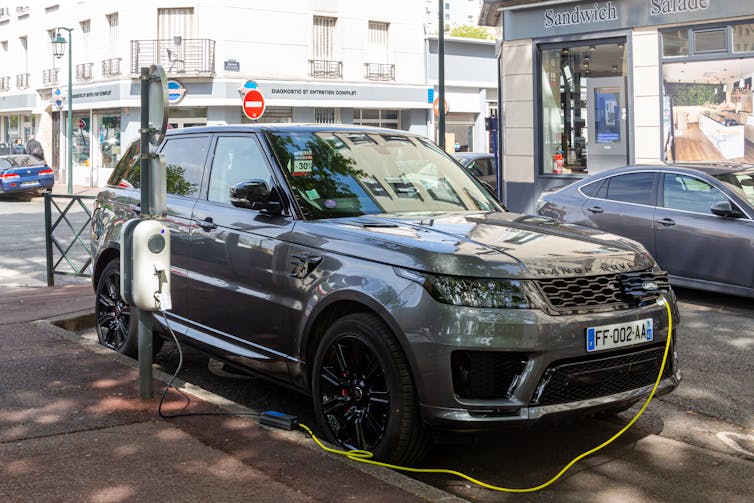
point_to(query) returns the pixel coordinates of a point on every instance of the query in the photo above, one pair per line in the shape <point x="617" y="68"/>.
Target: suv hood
<point x="500" y="245"/>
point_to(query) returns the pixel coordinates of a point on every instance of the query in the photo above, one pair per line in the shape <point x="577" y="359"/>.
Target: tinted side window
<point x="487" y="167"/>
<point x="632" y="188"/>
<point x="689" y="194"/>
<point x="590" y="189"/>
<point x="236" y="159"/>
<point x="184" y="158"/>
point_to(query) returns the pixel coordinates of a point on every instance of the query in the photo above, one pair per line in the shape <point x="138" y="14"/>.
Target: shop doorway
<point x="606" y="123"/>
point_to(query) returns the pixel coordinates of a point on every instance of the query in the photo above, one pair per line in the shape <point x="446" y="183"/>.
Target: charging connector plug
<point x="278" y="420"/>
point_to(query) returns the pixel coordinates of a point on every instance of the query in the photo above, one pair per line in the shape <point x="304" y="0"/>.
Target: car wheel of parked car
<point x="364" y="396"/>
<point x="117" y="321"/>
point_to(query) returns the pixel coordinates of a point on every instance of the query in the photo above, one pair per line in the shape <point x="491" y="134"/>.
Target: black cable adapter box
<point x="278" y="420"/>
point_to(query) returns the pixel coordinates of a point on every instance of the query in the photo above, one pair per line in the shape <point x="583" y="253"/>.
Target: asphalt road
<point x="712" y="409"/>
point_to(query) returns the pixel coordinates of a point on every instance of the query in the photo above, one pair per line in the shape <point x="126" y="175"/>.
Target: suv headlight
<point x="473" y="292"/>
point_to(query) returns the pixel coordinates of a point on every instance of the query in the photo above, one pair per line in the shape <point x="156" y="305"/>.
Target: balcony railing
<point x="4" y="83"/>
<point x="111" y="67"/>
<point x="50" y="77"/>
<point x="379" y="71"/>
<point x="22" y="81"/>
<point x="325" y="69"/>
<point x="176" y="55"/>
<point x="84" y="71"/>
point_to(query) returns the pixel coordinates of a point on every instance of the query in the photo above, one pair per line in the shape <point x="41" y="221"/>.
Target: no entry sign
<point x="253" y="104"/>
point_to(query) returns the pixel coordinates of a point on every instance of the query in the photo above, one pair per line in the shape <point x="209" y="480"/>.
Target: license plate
<point x="619" y="335"/>
<point x="26" y="184"/>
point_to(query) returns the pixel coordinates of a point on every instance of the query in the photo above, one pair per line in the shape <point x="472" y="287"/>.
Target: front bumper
<point x="543" y="344"/>
<point x="495" y="417"/>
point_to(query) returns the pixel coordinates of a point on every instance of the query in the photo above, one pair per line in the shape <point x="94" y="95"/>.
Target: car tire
<point x="363" y="392"/>
<point x="116" y="321"/>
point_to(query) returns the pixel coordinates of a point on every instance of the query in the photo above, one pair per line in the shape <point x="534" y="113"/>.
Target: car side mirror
<point x="725" y="209"/>
<point x="255" y="195"/>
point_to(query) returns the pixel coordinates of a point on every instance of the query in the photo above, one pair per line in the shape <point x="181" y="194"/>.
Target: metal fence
<point x="68" y="253"/>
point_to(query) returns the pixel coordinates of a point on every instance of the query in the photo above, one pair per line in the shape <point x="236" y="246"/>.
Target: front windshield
<point x="351" y="173"/>
<point x="741" y="182"/>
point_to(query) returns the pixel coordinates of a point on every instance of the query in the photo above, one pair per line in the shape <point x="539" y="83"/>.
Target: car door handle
<point x="207" y="224"/>
<point x="596" y="210"/>
<point x="667" y="222"/>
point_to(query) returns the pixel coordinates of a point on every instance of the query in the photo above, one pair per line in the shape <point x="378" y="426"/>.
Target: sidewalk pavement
<point x="78" y="190"/>
<point x="72" y="428"/>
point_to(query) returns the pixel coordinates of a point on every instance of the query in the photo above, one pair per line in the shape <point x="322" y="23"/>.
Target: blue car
<point x="25" y="173"/>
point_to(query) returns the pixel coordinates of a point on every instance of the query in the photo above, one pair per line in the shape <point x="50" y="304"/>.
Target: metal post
<point x="48" y="240"/>
<point x="145" y="317"/>
<point x="441" y="74"/>
<point x="70" y="110"/>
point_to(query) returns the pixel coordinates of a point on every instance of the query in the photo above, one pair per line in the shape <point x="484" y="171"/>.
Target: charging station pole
<point x="145" y="317"/>
<point x="153" y="201"/>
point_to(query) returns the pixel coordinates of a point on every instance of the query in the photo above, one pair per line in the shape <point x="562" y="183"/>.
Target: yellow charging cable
<point x="361" y="456"/>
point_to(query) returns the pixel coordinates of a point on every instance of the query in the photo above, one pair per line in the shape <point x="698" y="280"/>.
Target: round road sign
<point x="253" y="104"/>
<point x="436" y="106"/>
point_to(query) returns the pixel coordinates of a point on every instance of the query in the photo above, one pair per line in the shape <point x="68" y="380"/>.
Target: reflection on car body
<point x="365" y="267"/>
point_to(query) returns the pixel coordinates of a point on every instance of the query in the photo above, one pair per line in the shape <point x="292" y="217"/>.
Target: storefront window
<point x="706" y="41"/>
<point x="709" y="105"/>
<point x="377" y="118"/>
<point x="108" y="137"/>
<point x="568" y="105"/>
<point x="743" y="37"/>
<point x="675" y="43"/>
<point x="80" y="140"/>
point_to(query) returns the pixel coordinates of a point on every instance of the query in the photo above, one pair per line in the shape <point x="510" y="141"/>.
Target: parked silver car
<point x="694" y="218"/>
<point x="363" y="266"/>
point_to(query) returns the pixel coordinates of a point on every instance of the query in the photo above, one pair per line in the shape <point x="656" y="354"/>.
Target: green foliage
<point x="468" y="31"/>
<point x="685" y="94"/>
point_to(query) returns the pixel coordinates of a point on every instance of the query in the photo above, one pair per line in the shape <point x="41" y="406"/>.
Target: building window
<point x="675" y="43"/>
<point x="378" y="48"/>
<point x="743" y="37"/>
<point x="86" y="29"/>
<point x="568" y="108"/>
<point x="378" y="118"/>
<point x="323" y="42"/>
<point x="112" y="23"/>
<point x="325" y="116"/>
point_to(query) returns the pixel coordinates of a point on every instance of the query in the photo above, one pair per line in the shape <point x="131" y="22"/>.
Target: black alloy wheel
<point x="113" y="315"/>
<point x="364" y="396"/>
<point x="354" y="394"/>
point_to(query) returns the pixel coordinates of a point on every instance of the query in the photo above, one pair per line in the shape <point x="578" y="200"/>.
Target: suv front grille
<point x="609" y="290"/>
<point x="572" y="381"/>
<point x="486" y="374"/>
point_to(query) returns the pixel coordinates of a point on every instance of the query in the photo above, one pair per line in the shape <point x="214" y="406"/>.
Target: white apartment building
<point x="314" y="60"/>
<point x="455" y="13"/>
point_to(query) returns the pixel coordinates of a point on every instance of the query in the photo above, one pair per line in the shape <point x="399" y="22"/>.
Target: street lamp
<point x="58" y="49"/>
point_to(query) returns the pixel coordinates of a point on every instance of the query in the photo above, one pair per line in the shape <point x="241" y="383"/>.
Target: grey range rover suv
<point x="365" y="268"/>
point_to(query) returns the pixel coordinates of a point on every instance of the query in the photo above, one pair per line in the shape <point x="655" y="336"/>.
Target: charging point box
<point x="145" y="264"/>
